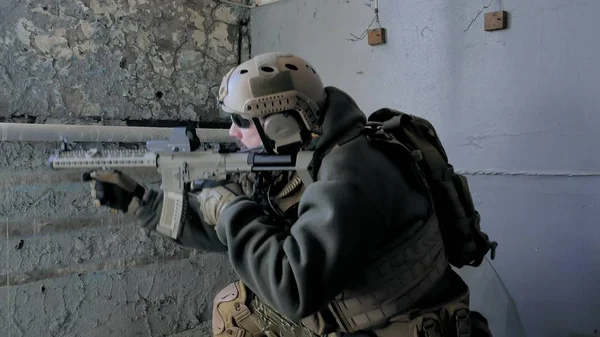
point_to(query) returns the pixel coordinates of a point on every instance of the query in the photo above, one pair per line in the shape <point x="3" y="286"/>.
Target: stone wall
<point x="115" y="60"/>
<point x="66" y="267"/>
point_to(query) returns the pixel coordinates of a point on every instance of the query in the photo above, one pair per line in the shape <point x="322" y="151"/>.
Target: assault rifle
<point x="181" y="165"/>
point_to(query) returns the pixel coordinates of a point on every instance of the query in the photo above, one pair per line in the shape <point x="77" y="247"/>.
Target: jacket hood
<point x="341" y="117"/>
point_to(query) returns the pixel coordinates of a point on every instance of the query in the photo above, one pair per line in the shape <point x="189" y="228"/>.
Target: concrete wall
<point x="518" y="109"/>
<point x="67" y="268"/>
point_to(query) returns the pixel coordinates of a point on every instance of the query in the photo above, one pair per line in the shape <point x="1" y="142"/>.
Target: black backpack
<point x="408" y="138"/>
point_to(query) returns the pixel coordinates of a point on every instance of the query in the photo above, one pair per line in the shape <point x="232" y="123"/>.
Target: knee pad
<point x="231" y="315"/>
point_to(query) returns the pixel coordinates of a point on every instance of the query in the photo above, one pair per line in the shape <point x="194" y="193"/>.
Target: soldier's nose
<point x="235" y="132"/>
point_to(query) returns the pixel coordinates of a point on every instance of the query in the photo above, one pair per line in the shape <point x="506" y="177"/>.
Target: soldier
<point x="356" y="253"/>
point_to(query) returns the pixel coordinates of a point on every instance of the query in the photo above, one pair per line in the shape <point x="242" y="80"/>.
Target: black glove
<point x="115" y="190"/>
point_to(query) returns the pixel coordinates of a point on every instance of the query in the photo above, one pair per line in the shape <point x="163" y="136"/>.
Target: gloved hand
<point x="213" y="198"/>
<point x="115" y="190"/>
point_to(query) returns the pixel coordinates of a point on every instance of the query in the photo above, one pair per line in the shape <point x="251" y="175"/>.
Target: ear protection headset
<point x="283" y="129"/>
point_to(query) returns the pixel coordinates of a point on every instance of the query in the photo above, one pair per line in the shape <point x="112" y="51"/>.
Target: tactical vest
<point x="398" y="275"/>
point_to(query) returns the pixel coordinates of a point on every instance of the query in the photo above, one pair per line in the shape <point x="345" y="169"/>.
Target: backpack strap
<point x="387" y="143"/>
<point x="319" y="154"/>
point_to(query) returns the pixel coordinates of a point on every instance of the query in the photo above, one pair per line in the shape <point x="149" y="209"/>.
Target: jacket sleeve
<point x="299" y="271"/>
<point x="195" y="233"/>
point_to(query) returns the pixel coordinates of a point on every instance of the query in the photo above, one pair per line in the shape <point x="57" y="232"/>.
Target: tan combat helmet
<point x="282" y="90"/>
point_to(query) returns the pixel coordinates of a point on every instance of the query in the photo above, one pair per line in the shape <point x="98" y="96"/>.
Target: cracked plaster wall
<point x="115" y="59"/>
<point x="66" y="267"/>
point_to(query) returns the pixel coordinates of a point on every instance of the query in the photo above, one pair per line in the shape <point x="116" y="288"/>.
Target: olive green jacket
<point x="358" y="201"/>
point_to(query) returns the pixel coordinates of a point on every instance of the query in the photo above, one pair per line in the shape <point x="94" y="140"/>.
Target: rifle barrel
<point x="99" y="133"/>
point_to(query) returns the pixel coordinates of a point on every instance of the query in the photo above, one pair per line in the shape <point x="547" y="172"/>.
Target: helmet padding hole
<point x="267" y="69"/>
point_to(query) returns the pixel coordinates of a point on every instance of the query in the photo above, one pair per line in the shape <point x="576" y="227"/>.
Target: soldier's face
<point x="245" y="132"/>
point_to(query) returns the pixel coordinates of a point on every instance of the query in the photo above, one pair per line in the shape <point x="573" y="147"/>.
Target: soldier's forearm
<point x="195" y="233"/>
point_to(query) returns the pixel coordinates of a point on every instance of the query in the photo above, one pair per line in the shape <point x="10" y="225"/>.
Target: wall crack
<point x="478" y="14"/>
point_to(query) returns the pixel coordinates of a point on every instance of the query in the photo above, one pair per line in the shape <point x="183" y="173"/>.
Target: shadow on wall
<point x="490" y="297"/>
